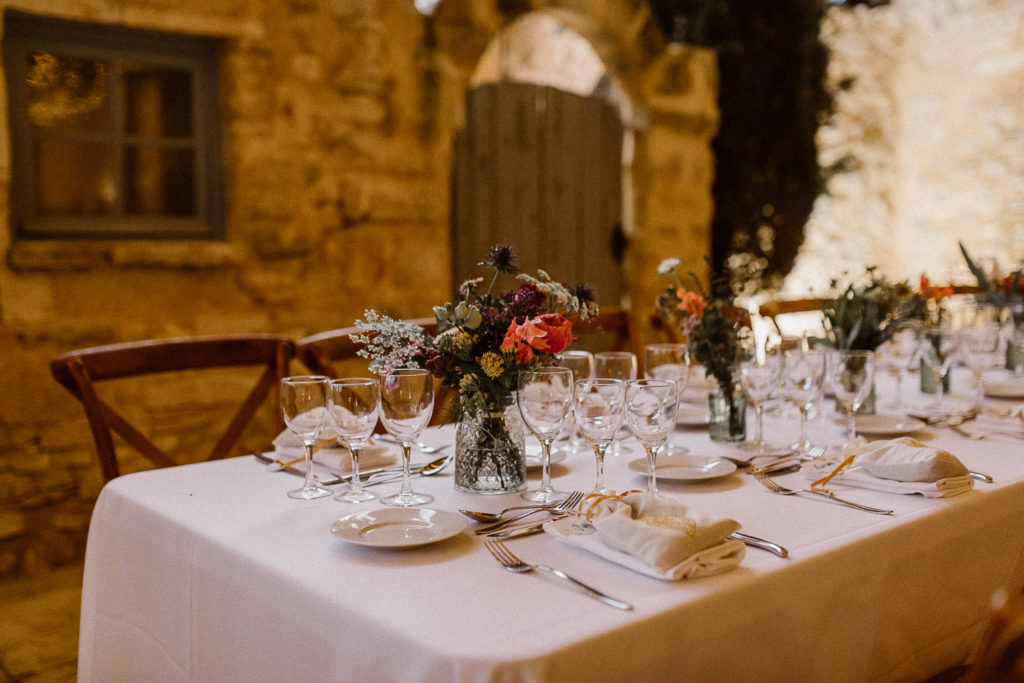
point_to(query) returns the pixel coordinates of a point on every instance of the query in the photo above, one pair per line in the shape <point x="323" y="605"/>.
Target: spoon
<point x="496" y="516"/>
<point x="435" y="466"/>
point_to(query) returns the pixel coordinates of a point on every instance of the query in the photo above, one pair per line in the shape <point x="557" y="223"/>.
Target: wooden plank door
<point x="541" y="169"/>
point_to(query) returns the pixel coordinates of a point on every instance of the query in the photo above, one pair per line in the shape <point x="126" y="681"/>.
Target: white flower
<point x="668" y="265"/>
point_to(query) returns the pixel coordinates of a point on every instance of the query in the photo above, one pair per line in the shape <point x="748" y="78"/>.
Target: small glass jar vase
<point x="490" y="447"/>
<point x="727" y="414"/>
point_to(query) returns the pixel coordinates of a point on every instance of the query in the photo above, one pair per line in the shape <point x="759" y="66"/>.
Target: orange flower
<point x="549" y="333"/>
<point x="691" y="302"/>
<point x="929" y="292"/>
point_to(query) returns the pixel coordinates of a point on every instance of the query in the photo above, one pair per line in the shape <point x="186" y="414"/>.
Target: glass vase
<point x="727" y="414"/>
<point x="489" y="447"/>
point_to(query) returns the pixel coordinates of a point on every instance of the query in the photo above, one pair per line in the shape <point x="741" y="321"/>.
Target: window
<point x="113" y="132"/>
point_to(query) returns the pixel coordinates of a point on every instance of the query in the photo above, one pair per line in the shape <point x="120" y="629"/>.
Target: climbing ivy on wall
<point x="772" y="99"/>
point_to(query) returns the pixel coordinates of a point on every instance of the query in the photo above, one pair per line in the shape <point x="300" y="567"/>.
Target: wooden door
<point x="540" y="169"/>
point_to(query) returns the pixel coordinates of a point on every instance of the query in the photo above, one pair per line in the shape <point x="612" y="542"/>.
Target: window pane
<point x="159" y="182"/>
<point x="157" y="102"/>
<point x="73" y="179"/>
<point x="67" y="93"/>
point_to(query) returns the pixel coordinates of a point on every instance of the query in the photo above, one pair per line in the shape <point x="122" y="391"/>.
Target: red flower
<point x="929" y="292"/>
<point x="549" y="333"/>
<point x="691" y="302"/>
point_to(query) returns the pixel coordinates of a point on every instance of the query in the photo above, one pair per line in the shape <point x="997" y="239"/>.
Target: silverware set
<point x="776" y="487"/>
<point x="558" y="510"/>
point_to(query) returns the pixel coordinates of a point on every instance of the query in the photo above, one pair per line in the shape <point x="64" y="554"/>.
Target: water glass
<point x="669" y="361"/>
<point x="938" y="350"/>
<point x="599" y="407"/>
<point x="759" y="375"/>
<point x="651" y="406"/>
<point x="304" y="406"/>
<point x="545" y="399"/>
<point x="803" y="378"/>
<point x="582" y="365"/>
<point x="982" y="347"/>
<point x="353" y="405"/>
<point x="851" y="375"/>
<point x="406" y="404"/>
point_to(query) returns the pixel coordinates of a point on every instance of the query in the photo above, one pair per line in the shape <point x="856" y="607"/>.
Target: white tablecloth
<point x="209" y="572"/>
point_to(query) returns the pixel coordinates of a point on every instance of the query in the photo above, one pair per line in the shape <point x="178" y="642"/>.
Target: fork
<point x="778" y="488"/>
<point x="510" y="561"/>
<point x="565" y="506"/>
<point x="790" y="460"/>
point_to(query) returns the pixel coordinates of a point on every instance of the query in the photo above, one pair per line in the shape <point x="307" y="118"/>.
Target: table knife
<point x="760" y="543"/>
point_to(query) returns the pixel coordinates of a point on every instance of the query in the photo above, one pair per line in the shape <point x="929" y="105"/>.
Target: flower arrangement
<point x="483" y="341"/>
<point x="1001" y="290"/>
<point x="711" y="321"/>
<point x="864" y="314"/>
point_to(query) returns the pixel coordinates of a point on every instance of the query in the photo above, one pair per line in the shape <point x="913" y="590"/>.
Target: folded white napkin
<point x="902" y="465"/>
<point x="656" y="536"/>
<point x="332" y="454"/>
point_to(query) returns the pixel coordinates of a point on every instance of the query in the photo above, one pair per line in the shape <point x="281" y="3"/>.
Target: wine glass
<point x="598" y="406"/>
<point x="851" y="374"/>
<point x="937" y="351"/>
<point x="759" y="371"/>
<point x="803" y="377"/>
<point x="406" y="403"/>
<point x="582" y="365"/>
<point x="304" y="406"/>
<point x="669" y="361"/>
<point x="981" y="347"/>
<point x="544" y="398"/>
<point x="651" y="415"/>
<point x="902" y="349"/>
<point x="616" y="365"/>
<point x="353" y="411"/>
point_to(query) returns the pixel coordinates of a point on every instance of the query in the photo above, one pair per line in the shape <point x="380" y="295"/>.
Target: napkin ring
<point x="819" y="485"/>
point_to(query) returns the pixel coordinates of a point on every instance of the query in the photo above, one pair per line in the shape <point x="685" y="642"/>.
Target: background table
<point x="209" y="572"/>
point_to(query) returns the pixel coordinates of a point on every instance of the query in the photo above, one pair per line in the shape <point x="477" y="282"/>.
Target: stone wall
<point x="338" y="122"/>
<point x="930" y="125"/>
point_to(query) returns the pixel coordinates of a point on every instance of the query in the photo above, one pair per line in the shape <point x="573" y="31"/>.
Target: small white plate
<point x="533" y="452"/>
<point x="884" y="425"/>
<point x="686" y="467"/>
<point x="398" y="527"/>
<point x="691" y="415"/>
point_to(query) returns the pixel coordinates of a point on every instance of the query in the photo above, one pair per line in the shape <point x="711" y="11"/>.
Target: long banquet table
<point x="209" y="572"/>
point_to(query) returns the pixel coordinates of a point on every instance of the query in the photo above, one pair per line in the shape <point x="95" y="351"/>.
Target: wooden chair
<point x="614" y="329"/>
<point x="999" y="656"/>
<point x="772" y="310"/>
<point x="334" y="354"/>
<point x="81" y="370"/>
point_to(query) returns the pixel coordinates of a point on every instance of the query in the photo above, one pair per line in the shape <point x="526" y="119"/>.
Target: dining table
<point x="210" y="572"/>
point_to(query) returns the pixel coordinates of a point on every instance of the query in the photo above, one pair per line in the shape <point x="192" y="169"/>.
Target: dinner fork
<point x="510" y="561"/>
<point x="778" y="488"/>
<point x="565" y="506"/>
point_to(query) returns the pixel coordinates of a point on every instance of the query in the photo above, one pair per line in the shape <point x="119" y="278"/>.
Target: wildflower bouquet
<point x="483" y="340"/>
<point x="864" y="314"/>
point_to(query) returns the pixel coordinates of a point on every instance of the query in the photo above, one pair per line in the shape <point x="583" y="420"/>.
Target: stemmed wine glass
<point x="803" y="377"/>
<point x="406" y="403"/>
<point x="903" y="348"/>
<point x="669" y="361"/>
<point x="851" y="374"/>
<point x="981" y="346"/>
<point x="599" y="406"/>
<point x="616" y="365"/>
<point x="651" y="415"/>
<point x="937" y="351"/>
<point x="304" y="406"/>
<point x="544" y="398"/>
<point x="353" y="412"/>
<point x="759" y="370"/>
<point x="582" y="365"/>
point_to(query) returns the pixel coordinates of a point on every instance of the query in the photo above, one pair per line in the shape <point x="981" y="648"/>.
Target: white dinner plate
<point x="884" y="425"/>
<point x="533" y="454"/>
<point x="1004" y="387"/>
<point x="398" y="527"/>
<point x="686" y="467"/>
<point x="691" y="415"/>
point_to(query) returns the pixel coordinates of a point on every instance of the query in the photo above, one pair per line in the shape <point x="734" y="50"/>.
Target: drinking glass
<point x="651" y="415"/>
<point x="582" y="365"/>
<point x="937" y="351"/>
<point x="759" y="372"/>
<point x="599" y="406"/>
<point x="406" y="403"/>
<point x="353" y="411"/>
<point x="902" y="349"/>
<point x="851" y="375"/>
<point x="803" y="377"/>
<point x="982" y="347"/>
<point x="545" y="398"/>
<point x="616" y="365"/>
<point x="669" y="361"/>
<point x="304" y="406"/>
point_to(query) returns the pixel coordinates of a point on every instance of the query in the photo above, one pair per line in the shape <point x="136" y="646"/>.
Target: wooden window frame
<point x="25" y="33"/>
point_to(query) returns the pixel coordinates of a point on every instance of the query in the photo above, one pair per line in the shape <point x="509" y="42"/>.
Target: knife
<point x="760" y="544"/>
<point x="340" y="479"/>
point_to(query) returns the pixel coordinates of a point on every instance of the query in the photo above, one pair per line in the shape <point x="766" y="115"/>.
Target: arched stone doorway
<point x="540" y="161"/>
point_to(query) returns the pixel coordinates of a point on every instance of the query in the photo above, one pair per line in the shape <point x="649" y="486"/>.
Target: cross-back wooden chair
<point x="776" y="311"/>
<point x="81" y="370"/>
<point x="334" y="354"/>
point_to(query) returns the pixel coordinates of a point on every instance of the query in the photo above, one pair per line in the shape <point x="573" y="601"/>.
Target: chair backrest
<point x="1000" y="653"/>
<point x="81" y="370"/>
<point x="614" y="329"/>
<point x="794" y="316"/>
<point x="333" y="353"/>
